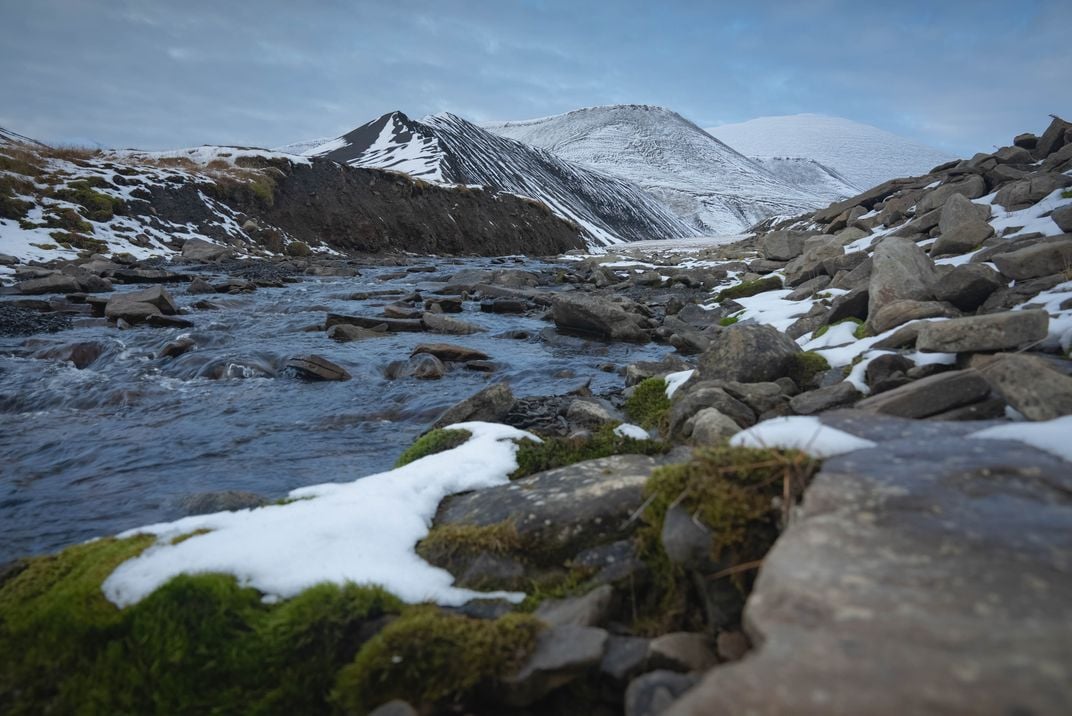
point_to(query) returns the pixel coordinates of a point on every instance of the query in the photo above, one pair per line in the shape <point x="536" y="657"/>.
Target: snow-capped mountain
<point x="810" y="175"/>
<point x="9" y="137"/>
<point x="865" y="155"/>
<point x="705" y="182"/>
<point x="447" y="149"/>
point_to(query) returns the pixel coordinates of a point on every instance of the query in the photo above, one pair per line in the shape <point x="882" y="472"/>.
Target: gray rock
<point x="376" y="323"/>
<point x="959" y="210"/>
<point x="589" y="413"/>
<point x="1028" y="383"/>
<point x="856" y="278"/>
<point x="887" y="371"/>
<point x="686" y="540"/>
<point x="966" y="237"/>
<point x="449" y="352"/>
<point x="1027" y="140"/>
<point x="1027" y="192"/>
<point x="901" y="270"/>
<point x="565" y="510"/>
<point x="1063" y="218"/>
<point x="589" y="610"/>
<point x="711" y="427"/>
<point x="732" y="645"/>
<point x="1053" y="138"/>
<point x="1041" y="259"/>
<point x="642" y="370"/>
<point x="344" y="333"/>
<point x="592" y="315"/>
<point x="689" y="402"/>
<point x="920" y="227"/>
<point x="624" y="658"/>
<point x="653" y="693"/>
<point x="56" y="283"/>
<point x="968" y="286"/>
<point x="972" y="187"/>
<point x="809" y="288"/>
<point x="781" y="245"/>
<point x="226" y="501"/>
<point x="201" y="250"/>
<point x="898" y="313"/>
<point x="157" y="296"/>
<point x="200" y="286"/>
<point x="749" y="354"/>
<point x="561" y="655"/>
<point x="422" y="366"/>
<point x="850" y="305"/>
<point x="823" y="399"/>
<point x="818" y="250"/>
<point x="490" y="405"/>
<point x="314" y="367"/>
<point x="993" y="332"/>
<point x="682" y="651"/>
<point x="1013" y="155"/>
<point x="133" y="312"/>
<point x="438" y="323"/>
<point x="929" y="396"/>
<point x="931" y="561"/>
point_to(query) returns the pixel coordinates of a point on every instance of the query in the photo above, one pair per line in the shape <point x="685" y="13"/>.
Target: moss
<point x="13" y="208"/>
<point x="806" y="366"/>
<point x="1066" y="194"/>
<point x="298" y="248"/>
<point x="19" y="161"/>
<point x="728" y="320"/>
<point x="648" y="406"/>
<point x="430" y="443"/>
<point x="558" y="584"/>
<point x="68" y="220"/>
<point x="446" y="543"/>
<point x="428" y="657"/>
<point x="822" y="330"/>
<point x="190" y="535"/>
<point x="554" y="452"/>
<point x="96" y="206"/>
<point x="734" y="491"/>
<point x="72" y="240"/>
<point x="750" y="288"/>
<point x="861" y="332"/>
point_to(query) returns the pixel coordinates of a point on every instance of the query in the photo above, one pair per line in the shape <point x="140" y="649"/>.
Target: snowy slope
<point x="705" y="182"/>
<point x="447" y="149"/>
<point x="865" y="155"/>
<point x="9" y="137"/>
<point x="810" y="175"/>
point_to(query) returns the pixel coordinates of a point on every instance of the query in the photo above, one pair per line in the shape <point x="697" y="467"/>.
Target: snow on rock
<point x="1052" y="436"/>
<point x="676" y="380"/>
<point x="447" y="149"/>
<point x="706" y="183"/>
<point x="362" y="531"/>
<point x="804" y="433"/>
<point x="864" y="155"/>
<point x="628" y="430"/>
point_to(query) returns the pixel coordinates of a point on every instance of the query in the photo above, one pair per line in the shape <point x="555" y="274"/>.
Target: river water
<point x="120" y="443"/>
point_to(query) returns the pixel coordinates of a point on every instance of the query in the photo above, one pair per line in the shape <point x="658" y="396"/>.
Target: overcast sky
<point x="962" y="76"/>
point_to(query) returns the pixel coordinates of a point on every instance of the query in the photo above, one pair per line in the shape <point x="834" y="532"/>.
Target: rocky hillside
<point x="57" y="203"/>
<point x="447" y="149"/>
<point x="706" y="183"/>
<point x="864" y="155"/>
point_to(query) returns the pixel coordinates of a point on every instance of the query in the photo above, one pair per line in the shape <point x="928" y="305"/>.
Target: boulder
<point x="898" y="313"/>
<point x="686" y="540"/>
<point x="711" y="427"/>
<point x="56" y="283"/>
<point x="653" y="693"/>
<point x="1053" y="138"/>
<point x="749" y="353"/>
<point x="438" y="323"/>
<point x="972" y="187"/>
<point x="561" y="655"/>
<point x="597" y="316"/>
<point x="817" y="251"/>
<point x="886" y="372"/>
<point x="1013" y="155"/>
<point x="682" y="651"/>
<point x="200" y="286"/>
<point x="823" y="399"/>
<point x="966" y="236"/>
<point x="1028" y="383"/>
<point x="992" y="332"/>
<point x="589" y="413"/>
<point x="422" y="366"/>
<point x="900" y="586"/>
<point x="395" y="325"/>
<point x="157" y="296"/>
<point x="449" y="352"/>
<point x="133" y="312"/>
<point x="624" y="658"/>
<point x="314" y="367"/>
<point x="1063" y="218"/>
<point x="1041" y="259"/>
<point x="589" y="610"/>
<point x="701" y="395"/>
<point x="900" y="270"/>
<point x="1027" y="140"/>
<point x="201" y="250"/>
<point x="1029" y="191"/>
<point x="968" y="286"/>
<point x="489" y="405"/>
<point x="929" y="396"/>
<point x="345" y="333"/>
<point x="781" y="245"/>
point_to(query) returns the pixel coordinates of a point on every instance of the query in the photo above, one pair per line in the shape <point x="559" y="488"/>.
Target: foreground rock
<point x="995" y="332"/>
<point x="314" y="367"/>
<point x="920" y="578"/>
<point x="597" y="316"/>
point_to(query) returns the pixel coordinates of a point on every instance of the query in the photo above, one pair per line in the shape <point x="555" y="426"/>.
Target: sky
<point x="153" y="74"/>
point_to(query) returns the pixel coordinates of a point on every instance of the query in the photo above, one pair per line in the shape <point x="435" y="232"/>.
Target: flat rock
<point x="438" y="323"/>
<point x="929" y="396"/>
<point x="652" y="694"/>
<point x="1028" y="383"/>
<point x="561" y="655"/>
<point x="897" y="313"/>
<point x="201" y="250"/>
<point x="56" y="283"/>
<point x="968" y="286"/>
<point x="992" y="332"/>
<point x="345" y="333"/>
<point x="375" y="322"/>
<point x="823" y="399"/>
<point x="682" y="651"/>
<point x="450" y="352"/>
<point x="963" y="238"/>
<point x="593" y="315"/>
<point x="156" y="296"/>
<point x="959" y="210"/>
<point x="490" y="404"/>
<point x="900" y="271"/>
<point x="133" y="312"/>
<point x="924" y="576"/>
<point x="781" y="245"/>
<point x="1023" y="193"/>
<point x="749" y="353"/>
<point x="314" y="367"/>
<point x="1041" y="259"/>
<point x="589" y="610"/>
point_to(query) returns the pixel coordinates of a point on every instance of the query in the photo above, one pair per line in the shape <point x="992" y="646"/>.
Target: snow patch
<point x="1051" y="436"/>
<point x="805" y="433"/>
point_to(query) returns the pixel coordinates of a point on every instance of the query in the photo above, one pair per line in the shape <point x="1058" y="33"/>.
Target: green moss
<point x="861" y="332"/>
<point x="731" y="490"/>
<point x="728" y="320"/>
<point x="13" y="208"/>
<point x="447" y="543"/>
<point x="190" y="535"/>
<point x="198" y="644"/>
<point x="68" y="220"/>
<point x="78" y="241"/>
<point x="553" y="452"/>
<point x="1066" y="194"/>
<point x="20" y="162"/>
<point x="558" y="584"/>
<point x="750" y="288"/>
<point x="806" y="366"/>
<point x="96" y="206"/>
<point x="822" y="330"/>
<point x="429" y="657"/>
<point x="430" y="443"/>
<point x="298" y="248"/>
<point x="648" y="406"/>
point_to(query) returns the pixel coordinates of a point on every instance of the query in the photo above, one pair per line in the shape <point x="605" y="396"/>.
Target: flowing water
<point x="117" y="444"/>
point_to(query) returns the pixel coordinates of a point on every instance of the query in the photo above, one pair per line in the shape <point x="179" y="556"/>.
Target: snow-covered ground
<point x="865" y="155"/>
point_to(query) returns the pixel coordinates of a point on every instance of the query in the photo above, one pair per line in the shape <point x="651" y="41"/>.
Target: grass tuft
<point x="435" y="441"/>
<point x="648" y="406"/>
<point x="556" y="452"/>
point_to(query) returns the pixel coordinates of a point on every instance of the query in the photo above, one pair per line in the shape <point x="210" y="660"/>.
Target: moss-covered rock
<point x="807" y="366"/>
<point x="96" y="205"/>
<point x="432" y="442"/>
<point x="431" y="658"/>
<point x="447" y="543"/>
<point x="552" y="452"/>
<point x="648" y="406"/>
<point x="750" y="288"/>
